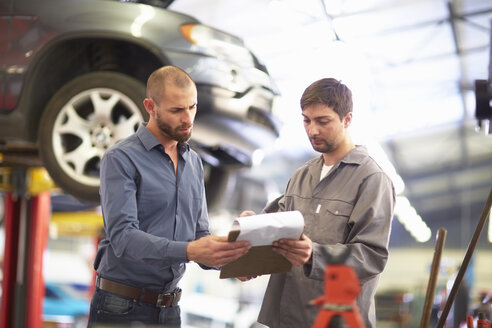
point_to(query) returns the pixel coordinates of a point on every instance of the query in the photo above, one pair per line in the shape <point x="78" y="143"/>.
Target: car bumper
<point x="228" y="141"/>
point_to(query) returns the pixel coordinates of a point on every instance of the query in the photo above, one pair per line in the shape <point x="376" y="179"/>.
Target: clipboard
<point x="258" y="261"/>
<point x="261" y="259"/>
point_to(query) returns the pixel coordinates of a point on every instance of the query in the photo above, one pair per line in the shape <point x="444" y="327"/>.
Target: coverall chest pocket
<point x="332" y="221"/>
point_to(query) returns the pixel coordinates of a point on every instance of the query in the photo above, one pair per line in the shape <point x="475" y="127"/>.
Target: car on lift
<point x="72" y="82"/>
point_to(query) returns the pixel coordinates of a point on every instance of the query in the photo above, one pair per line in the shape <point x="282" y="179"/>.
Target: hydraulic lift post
<point x="27" y="201"/>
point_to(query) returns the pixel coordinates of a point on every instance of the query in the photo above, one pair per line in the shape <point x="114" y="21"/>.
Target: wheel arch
<point x="65" y="59"/>
<point x="78" y="174"/>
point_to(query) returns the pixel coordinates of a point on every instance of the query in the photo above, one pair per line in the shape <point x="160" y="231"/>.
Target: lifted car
<point x="72" y="82"/>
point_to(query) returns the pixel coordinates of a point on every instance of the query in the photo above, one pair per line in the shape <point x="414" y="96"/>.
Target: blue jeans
<point x="108" y="308"/>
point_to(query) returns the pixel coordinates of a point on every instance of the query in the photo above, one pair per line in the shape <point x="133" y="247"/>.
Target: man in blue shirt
<point x="155" y="214"/>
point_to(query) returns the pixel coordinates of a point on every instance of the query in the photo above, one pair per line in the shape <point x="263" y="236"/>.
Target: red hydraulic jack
<point x="27" y="212"/>
<point x="339" y="307"/>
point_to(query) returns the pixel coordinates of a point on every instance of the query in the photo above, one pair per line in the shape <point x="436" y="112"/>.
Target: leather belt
<point x="159" y="300"/>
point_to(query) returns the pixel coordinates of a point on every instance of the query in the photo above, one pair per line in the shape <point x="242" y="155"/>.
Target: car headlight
<point x="218" y="44"/>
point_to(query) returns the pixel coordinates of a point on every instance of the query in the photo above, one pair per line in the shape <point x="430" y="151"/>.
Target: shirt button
<point x="336" y="212"/>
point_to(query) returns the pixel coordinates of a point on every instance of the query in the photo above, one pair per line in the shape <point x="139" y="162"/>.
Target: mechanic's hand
<point x="246" y="278"/>
<point x="298" y="252"/>
<point x="215" y="251"/>
<point x="247" y="213"/>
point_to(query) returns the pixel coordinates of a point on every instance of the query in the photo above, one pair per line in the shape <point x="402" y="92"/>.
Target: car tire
<point x="81" y="121"/>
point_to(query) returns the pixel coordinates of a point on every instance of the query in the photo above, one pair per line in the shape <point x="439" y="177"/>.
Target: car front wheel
<point x="81" y="121"/>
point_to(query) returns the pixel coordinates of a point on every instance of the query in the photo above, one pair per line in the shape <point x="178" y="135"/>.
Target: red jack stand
<point x="27" y="213"/>
<point x="339" y="307"/>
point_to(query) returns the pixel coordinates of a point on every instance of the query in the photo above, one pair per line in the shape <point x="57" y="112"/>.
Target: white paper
<point x="264" y="229"/>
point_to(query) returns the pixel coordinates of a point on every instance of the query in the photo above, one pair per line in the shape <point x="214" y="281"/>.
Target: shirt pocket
<point x="332" y="222"/>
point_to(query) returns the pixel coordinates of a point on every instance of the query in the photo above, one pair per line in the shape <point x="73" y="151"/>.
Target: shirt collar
<point x="356" y="155"/>
<point x="149" y="141"/>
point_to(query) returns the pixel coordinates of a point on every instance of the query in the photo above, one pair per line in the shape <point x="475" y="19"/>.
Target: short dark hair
<point x="330" y="92"/>
<point x="166" y="74"/>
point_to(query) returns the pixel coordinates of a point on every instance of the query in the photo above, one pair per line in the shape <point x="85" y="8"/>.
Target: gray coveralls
<point x="351" y="207"/>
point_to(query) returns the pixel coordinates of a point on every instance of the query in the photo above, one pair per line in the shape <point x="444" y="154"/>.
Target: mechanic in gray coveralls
<point x="347" y="202"/>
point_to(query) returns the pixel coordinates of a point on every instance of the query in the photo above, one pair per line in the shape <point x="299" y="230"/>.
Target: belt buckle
<point x="160" y="299"/>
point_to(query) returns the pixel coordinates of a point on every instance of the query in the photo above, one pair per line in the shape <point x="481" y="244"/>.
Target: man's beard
<point x="325" y="147"/>
<point x="173" y="133"/>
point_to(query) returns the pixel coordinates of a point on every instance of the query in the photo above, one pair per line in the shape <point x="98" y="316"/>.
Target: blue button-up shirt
<point x="150" y="213"/>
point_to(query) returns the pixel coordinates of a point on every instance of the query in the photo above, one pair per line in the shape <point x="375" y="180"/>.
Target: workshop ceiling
<point x="411" y="64"/>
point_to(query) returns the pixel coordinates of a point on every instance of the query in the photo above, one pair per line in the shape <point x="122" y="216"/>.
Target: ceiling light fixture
<point x="413" y="223"/>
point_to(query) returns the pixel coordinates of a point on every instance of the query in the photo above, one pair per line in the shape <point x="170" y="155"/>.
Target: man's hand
<point x="246" y="213"/>
<point x="298" y="252"/>
<point x="246" y="278"/>
<point x="215" y="251"/>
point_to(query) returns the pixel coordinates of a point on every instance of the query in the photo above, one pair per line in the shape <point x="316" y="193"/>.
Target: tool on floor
<point x="338" y="305"/>
<point x="482" y="322"/>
